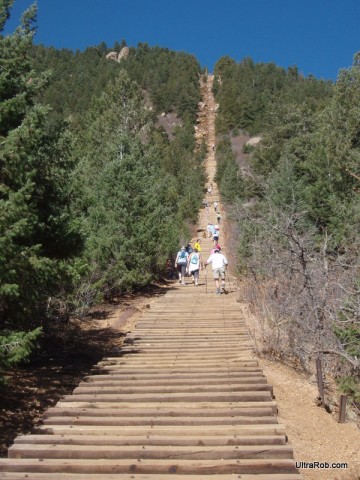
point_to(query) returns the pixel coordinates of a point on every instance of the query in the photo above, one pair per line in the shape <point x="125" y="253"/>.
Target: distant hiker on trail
<point x="216" y="235"/>
<point x="215" y="206"/>
<point x="218" y="217"/>
<point x="210" y="229"/>
<point x="181" y="263"/>
<point x="194" y="265"/>
<point x="197" y="245"/>
<point x="209" y="189"/>
<point x="218" y="264"/>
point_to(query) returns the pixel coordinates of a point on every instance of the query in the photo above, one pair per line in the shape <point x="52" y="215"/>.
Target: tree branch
<point x="354" y="362"/>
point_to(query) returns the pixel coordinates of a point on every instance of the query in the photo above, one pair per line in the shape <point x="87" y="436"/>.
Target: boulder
<point x="124" y="53"/>
<point x="253" y="141"/>
<point x="111" y="56"/>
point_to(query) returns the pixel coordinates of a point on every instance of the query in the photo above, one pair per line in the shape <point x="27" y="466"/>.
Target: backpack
<point x="182" y="257"/>
<point x="195" y="258"/>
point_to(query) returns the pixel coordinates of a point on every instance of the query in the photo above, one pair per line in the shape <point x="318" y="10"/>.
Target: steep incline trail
<point x="184" y="398"/>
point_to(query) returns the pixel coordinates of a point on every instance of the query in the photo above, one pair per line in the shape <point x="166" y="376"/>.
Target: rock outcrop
<point x="253" y="141"/>
<point x="122" y="55"/>
<point x="112" y="56"/>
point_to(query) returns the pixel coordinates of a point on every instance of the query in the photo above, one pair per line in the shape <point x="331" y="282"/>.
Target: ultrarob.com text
<point x="323" y="465"/>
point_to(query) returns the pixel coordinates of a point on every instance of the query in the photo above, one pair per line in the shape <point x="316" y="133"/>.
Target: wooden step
<point x="159" y="420"/>
<point x="166" y="371"/>
<point x="220" y="380"/>
<point x="178" y="411"/>
<point x="150" y="439"/>
<point x="140" y="476"/>
<point x="177" y="406"/>
<point x="144" y="466"/>
<point x="252" y="396"/>
<point x="158" y="452"/>
<point x="146" y="389"/>
<point x="165" y="430"/>
<point x="183" y="376"/>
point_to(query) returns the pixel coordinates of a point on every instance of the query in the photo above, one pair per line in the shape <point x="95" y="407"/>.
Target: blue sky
<point x="319" y="36"/>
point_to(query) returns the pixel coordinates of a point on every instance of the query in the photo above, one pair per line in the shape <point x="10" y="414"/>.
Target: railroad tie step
<point x="153" y="466"/>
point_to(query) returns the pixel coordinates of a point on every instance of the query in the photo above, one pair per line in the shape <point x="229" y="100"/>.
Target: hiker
<point x="197" y="245"/>
<point x="218" y="264"/>
<point x="209" y="228"/>
<point x="215" y="206"/>
<point x="218" y="217"/>
<point x="194" y="265"/>
<point x="216" y="234"/>
<point x="189" y="248"/>
<point x="216" y="247"/>
<point x="209" y="189"/>
<point x="181" y="264"/>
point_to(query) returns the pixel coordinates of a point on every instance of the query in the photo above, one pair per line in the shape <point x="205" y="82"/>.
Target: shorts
<point x="182" y="268"/>
<point x="219" y="272"/>
<point x="216" y="238"/>
<point x="195" y="273"/>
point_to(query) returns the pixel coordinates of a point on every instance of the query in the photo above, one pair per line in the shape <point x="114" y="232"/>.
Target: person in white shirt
<point x="195" y="265"/>
<point x="219" y="265"/>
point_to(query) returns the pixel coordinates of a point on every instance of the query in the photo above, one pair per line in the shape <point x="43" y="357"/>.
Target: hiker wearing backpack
<point x="181" y="264"/>
<point x="219" y="265"/>
<point x="195" y="266"/>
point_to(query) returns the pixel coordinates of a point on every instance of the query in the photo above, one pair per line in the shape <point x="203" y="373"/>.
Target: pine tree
<point x="36" y="232"/>
<point x="118" y="177"/>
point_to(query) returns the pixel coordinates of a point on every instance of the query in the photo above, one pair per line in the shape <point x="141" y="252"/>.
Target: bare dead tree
<point x="304" y="297"/>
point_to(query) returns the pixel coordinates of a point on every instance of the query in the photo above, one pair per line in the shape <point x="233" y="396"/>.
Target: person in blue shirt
<point x="181" y="264"/>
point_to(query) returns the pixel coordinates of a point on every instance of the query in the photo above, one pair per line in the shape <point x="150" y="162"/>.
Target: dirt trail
<point x="206" y="127"/>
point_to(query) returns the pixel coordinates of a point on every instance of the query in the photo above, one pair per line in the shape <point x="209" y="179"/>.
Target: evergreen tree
<point x="36" y="233"/>
<point x="132" y="190"/>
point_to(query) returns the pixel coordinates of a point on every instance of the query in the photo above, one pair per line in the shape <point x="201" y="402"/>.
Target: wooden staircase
<point x="184" y="398"/>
